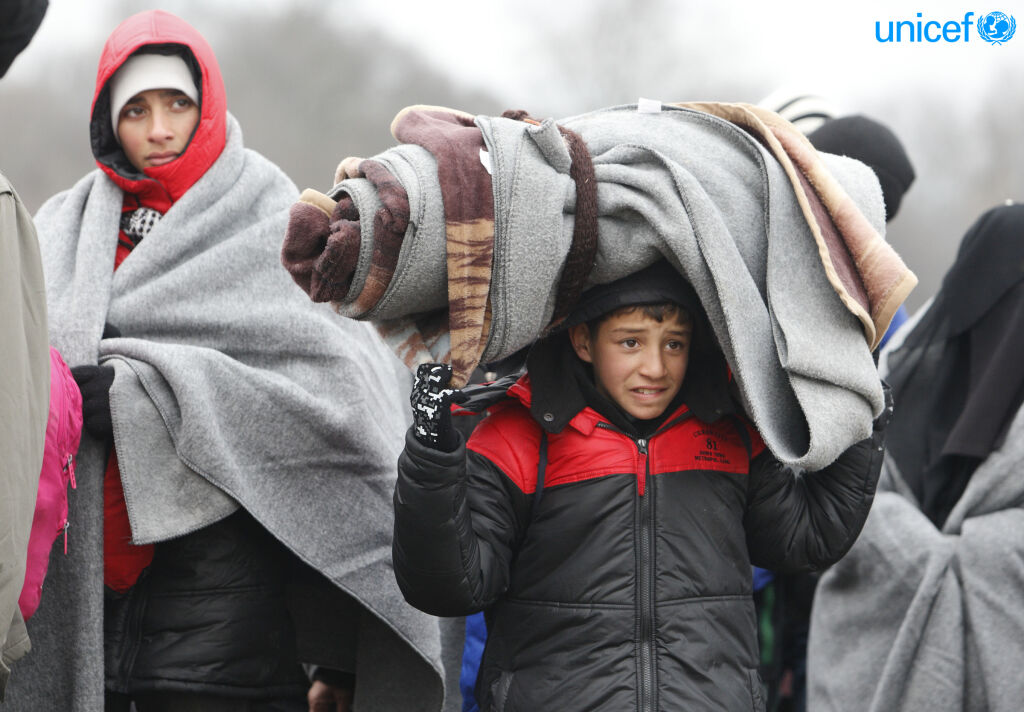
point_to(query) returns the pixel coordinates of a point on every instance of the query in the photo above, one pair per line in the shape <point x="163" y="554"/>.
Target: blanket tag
<point x="485" y="160"/>
<point x="648" y="106"/>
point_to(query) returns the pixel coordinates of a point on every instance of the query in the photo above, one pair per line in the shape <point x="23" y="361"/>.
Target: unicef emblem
<point x="996" y="27"/>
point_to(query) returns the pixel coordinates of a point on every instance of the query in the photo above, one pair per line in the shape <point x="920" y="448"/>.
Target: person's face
<point x="155" y="125"/>
<point x="638" y="362"/>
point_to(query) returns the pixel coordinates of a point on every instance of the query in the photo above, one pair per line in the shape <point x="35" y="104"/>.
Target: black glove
<point x="885" y="417"/>
<point x="94" y="382"/>
<point x="431" y="400"/>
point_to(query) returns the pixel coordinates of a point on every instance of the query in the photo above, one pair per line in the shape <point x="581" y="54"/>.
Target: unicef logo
<point x="996" y="27"/>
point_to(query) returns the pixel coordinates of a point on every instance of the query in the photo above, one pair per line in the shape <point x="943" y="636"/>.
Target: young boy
<point x="623" y="581"/>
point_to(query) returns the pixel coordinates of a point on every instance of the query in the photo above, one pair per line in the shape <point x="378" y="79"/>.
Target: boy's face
<point x="638" y="362"/>
<point x="154" y="127"/>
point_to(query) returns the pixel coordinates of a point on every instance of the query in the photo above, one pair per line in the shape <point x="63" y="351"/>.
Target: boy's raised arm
<point x="808" y="521"/>
<point x="452" y="544"/>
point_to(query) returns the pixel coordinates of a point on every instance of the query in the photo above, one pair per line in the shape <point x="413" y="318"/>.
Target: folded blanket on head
<point x="231" y="389"/>
<point x="782" y="244"/>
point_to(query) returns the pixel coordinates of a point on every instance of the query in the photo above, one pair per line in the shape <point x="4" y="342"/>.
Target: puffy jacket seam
<point x="568" y="605"/>
<point x="203" y="592"/>
<point x="742" y="597"/>
<point x="725" y="598"/>
<point x="168" y="682"/>
<point x="559" y="479"/>
<point x="65" y="433"/>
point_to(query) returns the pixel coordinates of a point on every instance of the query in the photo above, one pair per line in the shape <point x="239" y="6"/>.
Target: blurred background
<point x="314" y="81"/>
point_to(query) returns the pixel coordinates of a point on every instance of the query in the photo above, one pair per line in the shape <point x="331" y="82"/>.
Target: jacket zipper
<point x="69" y="468"/>
<point x="645" y="581"/>
<point x="69" y="465"/>
<point x="645" y="578"/>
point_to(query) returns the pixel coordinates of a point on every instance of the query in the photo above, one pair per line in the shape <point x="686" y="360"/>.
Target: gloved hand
<point x="95" y="382"/>
<point x="431" y="400"/>
<point x="885" y="417"/>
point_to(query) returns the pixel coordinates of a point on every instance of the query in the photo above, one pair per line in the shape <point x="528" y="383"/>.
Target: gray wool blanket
<point x="916" y="618"/>
<point x="231" y="390"/>
<point x="732" y="196"/>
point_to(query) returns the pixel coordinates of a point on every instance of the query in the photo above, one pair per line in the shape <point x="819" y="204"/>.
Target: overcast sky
<point x="828" y="48"/>
<point x="952" y="103"/>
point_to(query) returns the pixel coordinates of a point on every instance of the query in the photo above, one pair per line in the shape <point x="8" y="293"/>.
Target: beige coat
<point x="24" y="405"/>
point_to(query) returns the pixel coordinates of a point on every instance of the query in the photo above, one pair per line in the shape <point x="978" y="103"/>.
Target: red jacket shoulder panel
<point x="510" y="438"/>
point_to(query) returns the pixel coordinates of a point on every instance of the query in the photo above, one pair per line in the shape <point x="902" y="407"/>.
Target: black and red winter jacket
<point x="629" y="586"/>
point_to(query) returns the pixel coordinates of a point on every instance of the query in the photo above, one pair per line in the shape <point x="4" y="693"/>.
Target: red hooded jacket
<point x="158" y="188"/>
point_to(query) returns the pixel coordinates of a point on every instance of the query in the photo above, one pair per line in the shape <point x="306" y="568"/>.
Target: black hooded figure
<point x="19" y="20"/>
<point x="958" y="375"/>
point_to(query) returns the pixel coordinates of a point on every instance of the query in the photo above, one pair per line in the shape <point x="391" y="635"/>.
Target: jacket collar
<point x="584" y="421"/>
<point x="554" y="398"/>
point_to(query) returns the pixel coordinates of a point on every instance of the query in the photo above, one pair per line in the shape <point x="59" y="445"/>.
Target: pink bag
<point x="63" y="433"/>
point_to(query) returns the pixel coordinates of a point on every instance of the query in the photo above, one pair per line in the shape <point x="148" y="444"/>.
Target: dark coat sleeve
<point x="807" y="521"/>
<point x="19" y="20"/>
<point x="458" y="519"/>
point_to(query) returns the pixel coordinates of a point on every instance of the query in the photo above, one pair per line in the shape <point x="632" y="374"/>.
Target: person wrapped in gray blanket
<point x="232" y="516"/>
<point x="926" y="610"/>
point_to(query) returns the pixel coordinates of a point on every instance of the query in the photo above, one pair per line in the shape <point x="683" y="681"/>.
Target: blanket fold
<point x="915" y="617"/>
<point x="782" y="244"/>
<point x="232" y="389"/>
<point x="925" y="610"/>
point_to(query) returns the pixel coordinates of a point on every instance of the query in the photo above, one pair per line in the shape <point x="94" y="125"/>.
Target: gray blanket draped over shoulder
<point x="917" y="618"/>
<point x="231" y="389"/>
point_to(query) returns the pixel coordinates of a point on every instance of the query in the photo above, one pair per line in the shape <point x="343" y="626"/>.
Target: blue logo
<point x="996" y="27"/>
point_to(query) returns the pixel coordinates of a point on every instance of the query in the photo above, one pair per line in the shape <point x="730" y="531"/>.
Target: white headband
<point x="142" y="72"/>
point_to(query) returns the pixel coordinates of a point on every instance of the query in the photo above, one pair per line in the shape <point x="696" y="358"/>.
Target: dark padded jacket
<point x="210" y="616"/>
<point x="629" y="585"/>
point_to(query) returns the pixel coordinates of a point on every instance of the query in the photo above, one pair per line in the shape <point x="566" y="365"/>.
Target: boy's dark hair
<point x="658" y="312"/>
